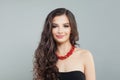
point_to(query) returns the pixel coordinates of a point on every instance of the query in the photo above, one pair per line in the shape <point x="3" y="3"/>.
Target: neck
<point x="62" y="49"/>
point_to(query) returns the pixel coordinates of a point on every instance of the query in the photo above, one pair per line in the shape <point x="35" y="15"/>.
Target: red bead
<point x="67" y="55"/>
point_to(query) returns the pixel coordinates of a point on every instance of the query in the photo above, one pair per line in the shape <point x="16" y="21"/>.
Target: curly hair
<point x="45" y="59"/>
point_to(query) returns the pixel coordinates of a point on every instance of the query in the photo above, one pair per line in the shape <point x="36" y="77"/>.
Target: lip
<point x="59" y="36"/>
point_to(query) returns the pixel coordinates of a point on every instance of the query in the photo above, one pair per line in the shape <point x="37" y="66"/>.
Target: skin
<point x="80" y="60"/>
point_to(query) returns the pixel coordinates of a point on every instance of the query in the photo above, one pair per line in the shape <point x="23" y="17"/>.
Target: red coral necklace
<point x="67" y="55"/>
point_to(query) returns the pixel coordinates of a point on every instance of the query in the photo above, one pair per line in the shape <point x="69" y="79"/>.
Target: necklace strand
<point x="67" y="55"/>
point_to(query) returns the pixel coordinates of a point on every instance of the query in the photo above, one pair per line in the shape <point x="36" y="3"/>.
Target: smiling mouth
<point x="59" y="36"/>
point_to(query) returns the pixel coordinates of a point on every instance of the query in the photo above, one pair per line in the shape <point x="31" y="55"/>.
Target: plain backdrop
<point x="21" y="23"/>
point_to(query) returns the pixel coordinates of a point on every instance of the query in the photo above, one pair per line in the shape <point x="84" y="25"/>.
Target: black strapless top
<point x="72" y="75"/>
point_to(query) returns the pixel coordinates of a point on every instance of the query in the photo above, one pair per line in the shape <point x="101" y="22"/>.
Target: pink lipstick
<point x="59" y="36"/>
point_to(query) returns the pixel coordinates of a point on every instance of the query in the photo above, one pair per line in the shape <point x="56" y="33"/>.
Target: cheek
<point x="53" y="31"/>
<point x="68" y="31"/>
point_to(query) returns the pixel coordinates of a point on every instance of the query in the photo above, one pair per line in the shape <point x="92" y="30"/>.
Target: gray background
<point x="21" y="24"/>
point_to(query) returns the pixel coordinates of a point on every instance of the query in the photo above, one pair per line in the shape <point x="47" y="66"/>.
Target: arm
<point x="89" y="66"/>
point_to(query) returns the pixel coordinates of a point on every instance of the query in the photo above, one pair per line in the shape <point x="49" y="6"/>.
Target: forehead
<point x="60" y="19"/>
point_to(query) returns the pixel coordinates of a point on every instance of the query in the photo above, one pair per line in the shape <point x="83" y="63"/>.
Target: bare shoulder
<point x="87" y="62"/>
<point x="84" y="53"/>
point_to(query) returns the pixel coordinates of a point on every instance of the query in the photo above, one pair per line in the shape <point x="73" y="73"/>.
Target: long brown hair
<point x="45" y="59"/>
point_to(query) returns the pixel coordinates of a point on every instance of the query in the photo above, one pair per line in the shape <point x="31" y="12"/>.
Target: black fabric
<point x="73" y="75"/>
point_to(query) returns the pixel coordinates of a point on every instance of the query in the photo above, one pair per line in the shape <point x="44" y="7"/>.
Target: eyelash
<point x="64" y="26"/>
<point x="54" y="26"/>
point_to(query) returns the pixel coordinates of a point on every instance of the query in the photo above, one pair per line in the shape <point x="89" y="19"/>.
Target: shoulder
<point x="87" y="62"/>
<point x="85" y="54"/>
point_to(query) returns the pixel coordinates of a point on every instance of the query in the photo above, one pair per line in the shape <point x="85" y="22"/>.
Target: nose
<point x="60" y="30"/>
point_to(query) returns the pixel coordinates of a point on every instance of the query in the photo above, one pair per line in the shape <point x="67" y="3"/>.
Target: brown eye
<point x="66" y="26"/>
<point x="53" y="26"/>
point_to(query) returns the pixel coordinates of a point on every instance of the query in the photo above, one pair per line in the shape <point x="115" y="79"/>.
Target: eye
<point x="66" y="26"/>
<point x="53" y="26"/>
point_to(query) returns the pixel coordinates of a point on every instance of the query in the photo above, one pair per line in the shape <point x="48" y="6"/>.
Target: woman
<point x="57" y="57"/>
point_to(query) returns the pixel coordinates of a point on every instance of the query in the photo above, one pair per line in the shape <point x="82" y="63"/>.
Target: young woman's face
<point x="61" y="29"/>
